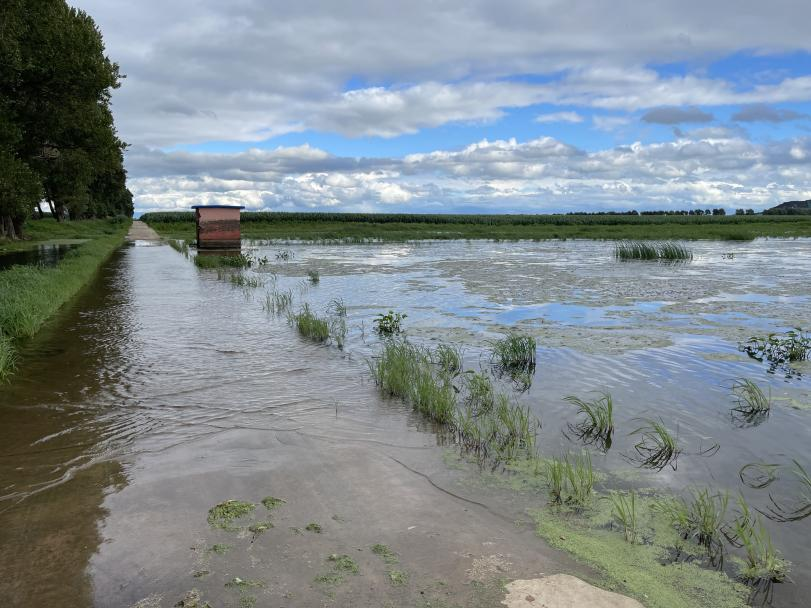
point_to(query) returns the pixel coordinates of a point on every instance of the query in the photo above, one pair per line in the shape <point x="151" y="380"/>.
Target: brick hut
<point x="217" y="226"/>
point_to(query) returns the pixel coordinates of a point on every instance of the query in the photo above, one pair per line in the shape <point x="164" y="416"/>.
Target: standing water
<point x="164" y="390"/>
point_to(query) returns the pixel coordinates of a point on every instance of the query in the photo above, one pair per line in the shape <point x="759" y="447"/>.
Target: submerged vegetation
<point x="224" y="514"/>
<point x="310" y="325"/>
<point x="239" y="260"/>
<point x="641" y="250"/>
<point x="656" y="447"/>
<point x="597" y="424"/>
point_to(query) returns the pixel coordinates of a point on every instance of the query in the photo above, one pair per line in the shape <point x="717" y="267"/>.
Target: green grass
<point x="449" y="358"/>
<point x="224" y="514"/>
<point x="701" y="518"/>
<point x="32" y="294"/>
<point x="343" y="563"/>
<point x="570" y="480"/>
<point x="657" y="447"/>
<point x="246" y="282"/>
<point x="36" y="232"/>
<point x="278" y="302"/>
<point x="792" y="346"/>
<point x="403" y="227"/>
<point x="270" y="502"/>
<point x="314" y="527"/>
<point x="480" y="395"/>
<point x="398" y="578"/>
<point x="222" y="261"/>
<point x="514" y="353"/>
<point x="314" y="277"/>
<point x="310" y="325"/>
<point x="752" y="404"/>
<point x="640" y="250"/>
<point x="598" y="418"/>
<point x="623" y="509"/>
<point x="386" y="553"/>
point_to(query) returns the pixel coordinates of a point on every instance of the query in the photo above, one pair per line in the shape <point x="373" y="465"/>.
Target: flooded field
<point x="47" y="254"/>
<point x="167" y="389"/>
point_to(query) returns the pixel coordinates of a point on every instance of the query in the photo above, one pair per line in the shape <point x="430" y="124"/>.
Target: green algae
<point x="220" y="549"/>
<point x="244" y="583"/>
<point x="313" y="527"/>
<point x="642" y="570"/>
<point x="222" y="515"/>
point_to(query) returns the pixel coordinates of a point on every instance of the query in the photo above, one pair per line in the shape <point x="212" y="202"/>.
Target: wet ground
<point x="46" y="254"/>
<point x="163" y="391"/>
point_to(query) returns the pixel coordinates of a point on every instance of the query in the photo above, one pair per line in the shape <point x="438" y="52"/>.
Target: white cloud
<point x="572" y="117"/>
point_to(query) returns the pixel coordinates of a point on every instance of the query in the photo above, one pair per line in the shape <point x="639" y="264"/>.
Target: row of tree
<point x="58" y="143"/>
<point x="718" y="211"/>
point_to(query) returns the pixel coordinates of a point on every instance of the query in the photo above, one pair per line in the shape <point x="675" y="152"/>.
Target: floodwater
<point x="45" y="254"/>
<point x="162" y="391"/>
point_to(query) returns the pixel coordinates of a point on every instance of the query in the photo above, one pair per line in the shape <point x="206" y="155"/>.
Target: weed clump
<point x="777" y="349"/>
<point x="623" y="510"/>
<point x="278" y="302"/>
<point x="570" y="480"/>
<point x="389" y="324"/>
<point x="701" y="519"/>
<point x="311" y="325"/>
<point x="657" y="447"/>
<point x="753" y="406"/>
<point x="642" y="250"/>
<point x="387" y="554"/>
<point x="515" y="353"/>
<point x="313" y="527"/>
<point x="270" y="502"/>
<point x="314" y="277"/>
<point x="222" y="515"/>
<point x="598" y="422"/>
<point x="239" y="260"/>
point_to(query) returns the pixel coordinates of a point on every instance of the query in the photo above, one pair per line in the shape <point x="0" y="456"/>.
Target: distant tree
<point x="739" y="212"/>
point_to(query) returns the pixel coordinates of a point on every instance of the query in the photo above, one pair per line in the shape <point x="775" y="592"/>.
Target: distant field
<point x="402" y="227"/>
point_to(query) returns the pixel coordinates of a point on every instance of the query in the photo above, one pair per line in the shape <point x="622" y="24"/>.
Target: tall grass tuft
<point x="314" y="277"/>
<point x="480" y="396"/>
<point x="278" y="302"/>
<point x="657" y="447"/>
<point x="311" y="325"/>
<point x="651" y="250"/>
<point x="598" y="418"/>
<point x="515" y="353"/>
<point x="240" y="280"/>
<point x="701" y="519"/>
<point x="753" y="405"/>
<point x="623" y="510"/>
<point x="570" y="480"/>
<point x="219" y="261"/>
<point x="448" y="358"/>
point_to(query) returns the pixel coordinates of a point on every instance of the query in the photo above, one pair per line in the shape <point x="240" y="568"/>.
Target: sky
<point x="462" y="106"/>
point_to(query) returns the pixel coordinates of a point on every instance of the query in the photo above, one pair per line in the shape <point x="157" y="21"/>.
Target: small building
<point x="217" y="226"/>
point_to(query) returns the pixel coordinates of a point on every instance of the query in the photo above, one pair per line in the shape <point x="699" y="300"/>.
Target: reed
<point x="651" y="250"/>
<point x="598" y="418"/>
<point x="657" y="447"/>
<point x="701" y="519"/>
<point x="515" y="353"/>
<point x="311" y="325"/>
<point x="480" y="396"/>
<point x="219" y="261"/>
<point x="623" y="510"/>
<point x="240" y="280"/>
<point x="337" y="307"/>
<point x="448" y="358"/>
<point x="278" y="302"/>
<point x="570" y="480"/>
<point x="752" y="404"/>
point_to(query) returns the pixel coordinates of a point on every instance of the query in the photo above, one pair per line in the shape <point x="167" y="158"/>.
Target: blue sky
<point x="517" y="106"/>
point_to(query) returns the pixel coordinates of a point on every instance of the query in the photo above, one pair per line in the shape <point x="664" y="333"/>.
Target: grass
<point x="310" y="325"/>
<point x="224" y="514"/>
<point x="278" y="302"/>
<point x="570" y="480"/>
<point x="598" y="418"/>
<point x="623" y="509"/>
<point x="657" y="447"/>
<point x="480" y="397"/>
<point x="314" y="527"/>
<point x="344" y="563"/>
<point x="239" y="260"/>
<point x="661" y="250"/>
<point x="398" y="578"/>
<point x="270" y="502"/>
<point x="514" y="353"/>
<point x="240" y="280"/>
<point x="32" y="294"/>
<point x="180" y="246"/>
<point x="244" y="583"/>
<point x="220" y="549"/>
<point x="802" y="507"/>
<point x="356" y="227"/>
<point x="701" y="519"/>
<point x="314" y="277"/>
<point x="386" y="553"/>
<point x="753" y="405"/>
<point x="337" y="307"/>
<point x="449" y="358"/>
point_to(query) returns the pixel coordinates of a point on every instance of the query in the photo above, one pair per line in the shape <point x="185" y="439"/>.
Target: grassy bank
<point x="36" y="232"/>
<point x="402" y="227"/>
<point x="31" y="294"/>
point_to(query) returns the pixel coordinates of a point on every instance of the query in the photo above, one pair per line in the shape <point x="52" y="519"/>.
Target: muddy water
<point x="163" y="391"/>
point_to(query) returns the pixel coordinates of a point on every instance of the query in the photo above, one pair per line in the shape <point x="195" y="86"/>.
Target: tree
<point x="55" y="87"/>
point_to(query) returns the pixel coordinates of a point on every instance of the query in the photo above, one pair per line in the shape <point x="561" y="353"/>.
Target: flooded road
<point x="163" y="391"/>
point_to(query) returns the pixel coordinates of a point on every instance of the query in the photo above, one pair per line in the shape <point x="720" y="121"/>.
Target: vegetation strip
<point x="32" y="294"/>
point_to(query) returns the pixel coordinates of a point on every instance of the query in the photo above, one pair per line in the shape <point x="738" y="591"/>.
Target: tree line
<point x="58" y="143"/>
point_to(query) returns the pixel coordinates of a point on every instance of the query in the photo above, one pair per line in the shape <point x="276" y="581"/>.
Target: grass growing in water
<point x="657" y="447"/>
<point x="570" y="480"/>
<point x="270" y="502"/>
<point x="222" y="515"/>
<point x="701" y="519"/>
<point x="449" y="358"/>
<point x="598" y="421"/>
<point x="313" y="527"/>
<point x="387" y="554"/>
<point x="31" y="294"/>
<point x="802" y="508"/>
<point x="314" y="277"/>
<point x="652" y="250"/>
<point x="794" y="345"/>
<point x="278" y="302"/>
<point x="240" y="280"/>
<point x="219" y="261"/>
<point x="753" y="405"/>
<point x="623" y="509"/>
<point x="515" y="353"/>
<point x="311" y="325"/>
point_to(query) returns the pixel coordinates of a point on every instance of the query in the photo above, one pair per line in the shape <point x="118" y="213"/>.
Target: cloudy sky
<point x="462" y="105"/>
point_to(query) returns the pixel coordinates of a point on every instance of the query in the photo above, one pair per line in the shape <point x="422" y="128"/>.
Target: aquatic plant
<point x="651" y="250"/>
<point x="431" y="395"/>
<point x="802" y="508"/>
<point x="270" y="502"/>
<point x="337" y="307"/>
<point x="448" y="358"/>
<point x="794" y="345"/>
<point x="313" y="527"/>
<point x="314" y="276"/>
<point x="239" y="260"/>
<point x="570" y="479"/>
<point x="240" y="280"/>
<point x="344" y="563"/>
<point x="337" y="330"/>
<point x="758" y="475"/>
<point x="179" y="246"/>
<point x="278" y="302"/>
<point x="515" y="353"/>
<point x="389" y="324"/>
<point x="753" y="405"/>
<point x="398" y="578"/>
<point x="244" y="583"/>
<point x="598" y="418"/>
<point x="623" y="510"/>
<point x="657" y="447"/>
<point x="285" y="255"/>
<point x="394" y="370"/>
<point x="311" y="325"/>
<point x="480" y="396"/>
<point x="701" y="519"/>
<point x="223" y="514"/>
